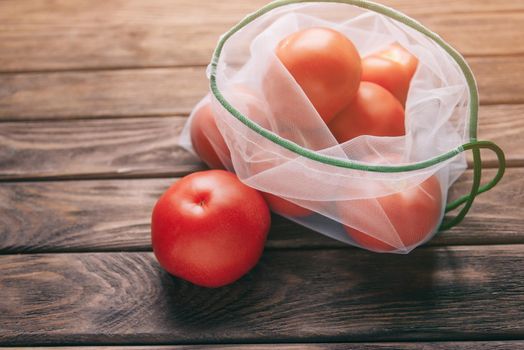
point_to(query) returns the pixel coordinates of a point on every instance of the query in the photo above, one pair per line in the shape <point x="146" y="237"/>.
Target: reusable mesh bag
<point x="351" y="187"/>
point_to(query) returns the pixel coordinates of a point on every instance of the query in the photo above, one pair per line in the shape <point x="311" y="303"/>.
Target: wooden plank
<point x="468" y="293"/>
<point x="468" y="345"/>
<point x="498" y="32"/>
<point x="168" y="91"/>
<point x="109" y="215"/>
<point x="502" y="124"/>
<point x="95" y="148"/>
<point x="498" y="78"/>
<point x="101" y="94"/>
<point x="130" y="147"/>
<point x="45" y="34"/>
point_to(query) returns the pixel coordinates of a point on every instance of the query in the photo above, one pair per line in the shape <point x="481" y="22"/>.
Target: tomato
<point x="278" y="204"/>
<point x="414" y="213"/>
<point x="392" y="69"/>
<point x="374" y="111"/>
<point x="325" y="64"/>
<point x="203" y="129"/>
<point x="209" y="228"/>
<point x="284" y="207"/>
<point x="397" y="53"/>
<point x="388" y="74"/>
<point x="206" y="138"/>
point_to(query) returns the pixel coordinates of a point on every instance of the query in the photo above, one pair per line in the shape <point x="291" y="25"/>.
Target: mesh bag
<point x="386" y="194"/>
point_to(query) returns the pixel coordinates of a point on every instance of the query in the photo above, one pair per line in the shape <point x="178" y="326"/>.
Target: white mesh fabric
<point x="436" y="122"/>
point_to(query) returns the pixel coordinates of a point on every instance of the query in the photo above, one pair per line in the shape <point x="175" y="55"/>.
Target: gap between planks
<point x="148" y="147"/>
<point x="490" y="164"/>
<point x="197" y="66"/>
<point x="126" y="93"/>
<point x="438" y="293"/>
<point x="114" y="215"/>
<point x="406" y="345"/>
<point x="45" y="35"/>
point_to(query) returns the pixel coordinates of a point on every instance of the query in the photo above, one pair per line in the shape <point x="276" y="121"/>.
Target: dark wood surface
<point x="93" y="98"/>
<point x="102" y="148"/>
<point x="132" y="147"/>
<point x="466" y="345"/>
<point x="310" y="295"/>
<point x="164" y="91"/>
<point x="46" y="35"/>
<point x="105" y="215"/>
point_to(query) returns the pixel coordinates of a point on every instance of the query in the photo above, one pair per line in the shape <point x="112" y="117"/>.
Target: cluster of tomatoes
<point x="210" y="228"/>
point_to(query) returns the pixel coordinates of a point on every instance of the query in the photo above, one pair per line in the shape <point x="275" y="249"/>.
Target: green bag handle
<point x="476" y="189"/>
<point x="474" y="145"/>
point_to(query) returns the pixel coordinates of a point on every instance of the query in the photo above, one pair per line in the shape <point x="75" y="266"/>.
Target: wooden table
<point x="93" y="96"/>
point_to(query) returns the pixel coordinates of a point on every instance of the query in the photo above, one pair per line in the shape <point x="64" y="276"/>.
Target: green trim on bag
<point x="343" y="163"/>
<point x="473" y="145"/>
<point x="476" y="189"/>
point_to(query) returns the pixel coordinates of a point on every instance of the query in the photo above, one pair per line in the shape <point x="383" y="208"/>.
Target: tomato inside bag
<point x="354" y="205"/>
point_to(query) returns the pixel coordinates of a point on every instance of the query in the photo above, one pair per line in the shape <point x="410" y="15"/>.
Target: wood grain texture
<point x="62" y="34"/>
<point x="94" y="148"/>
<point x="168" y="91"/>
<point x="52" y="35"/>
<point x="502" y="124"/>
<point x="498" y="78"/>
<point x="467" y="293"/>
<point x="468" y="345"/>
<point x="109" y="215"/>
<point x="131" y="147"/>
<point x="101" y="94"/>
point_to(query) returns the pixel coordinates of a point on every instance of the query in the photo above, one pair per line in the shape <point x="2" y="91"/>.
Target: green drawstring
<point x="474" y="145"/>
<point x="339" y="162"/>
<point x="476" y="189"/>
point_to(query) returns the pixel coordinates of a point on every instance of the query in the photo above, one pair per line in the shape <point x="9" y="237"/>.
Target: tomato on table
<point x="392" y="69"/>
<point x="325" y="64"/>
<point x="209" y="228"/>
<point x="374" y="111"/>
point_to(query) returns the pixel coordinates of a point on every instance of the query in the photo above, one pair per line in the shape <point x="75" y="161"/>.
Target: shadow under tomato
<point x="199" y="308"/>
<point x="307" y="282"/>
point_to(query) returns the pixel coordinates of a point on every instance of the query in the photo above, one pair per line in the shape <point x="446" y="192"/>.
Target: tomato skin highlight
<point x="397" y="53"/>
<point x="374" y="111"/>
<point x="209" y="228"/>
<point x="392" y="69"/>
<point x="414" y="213"/>
<point x="325" y="64"/>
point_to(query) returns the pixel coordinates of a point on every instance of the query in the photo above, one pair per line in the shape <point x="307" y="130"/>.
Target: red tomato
<point x="278" y="204"/>
<point x="325" y="64"/>
<point x="392" y="69"/>
<point x="204" y="128"/>
<point x="209" y="228"/>
<point x="414" y="213"/>
<point x="397" y="53"/>
<point x="374" y="111"/>
<point x="284" y="207"/>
